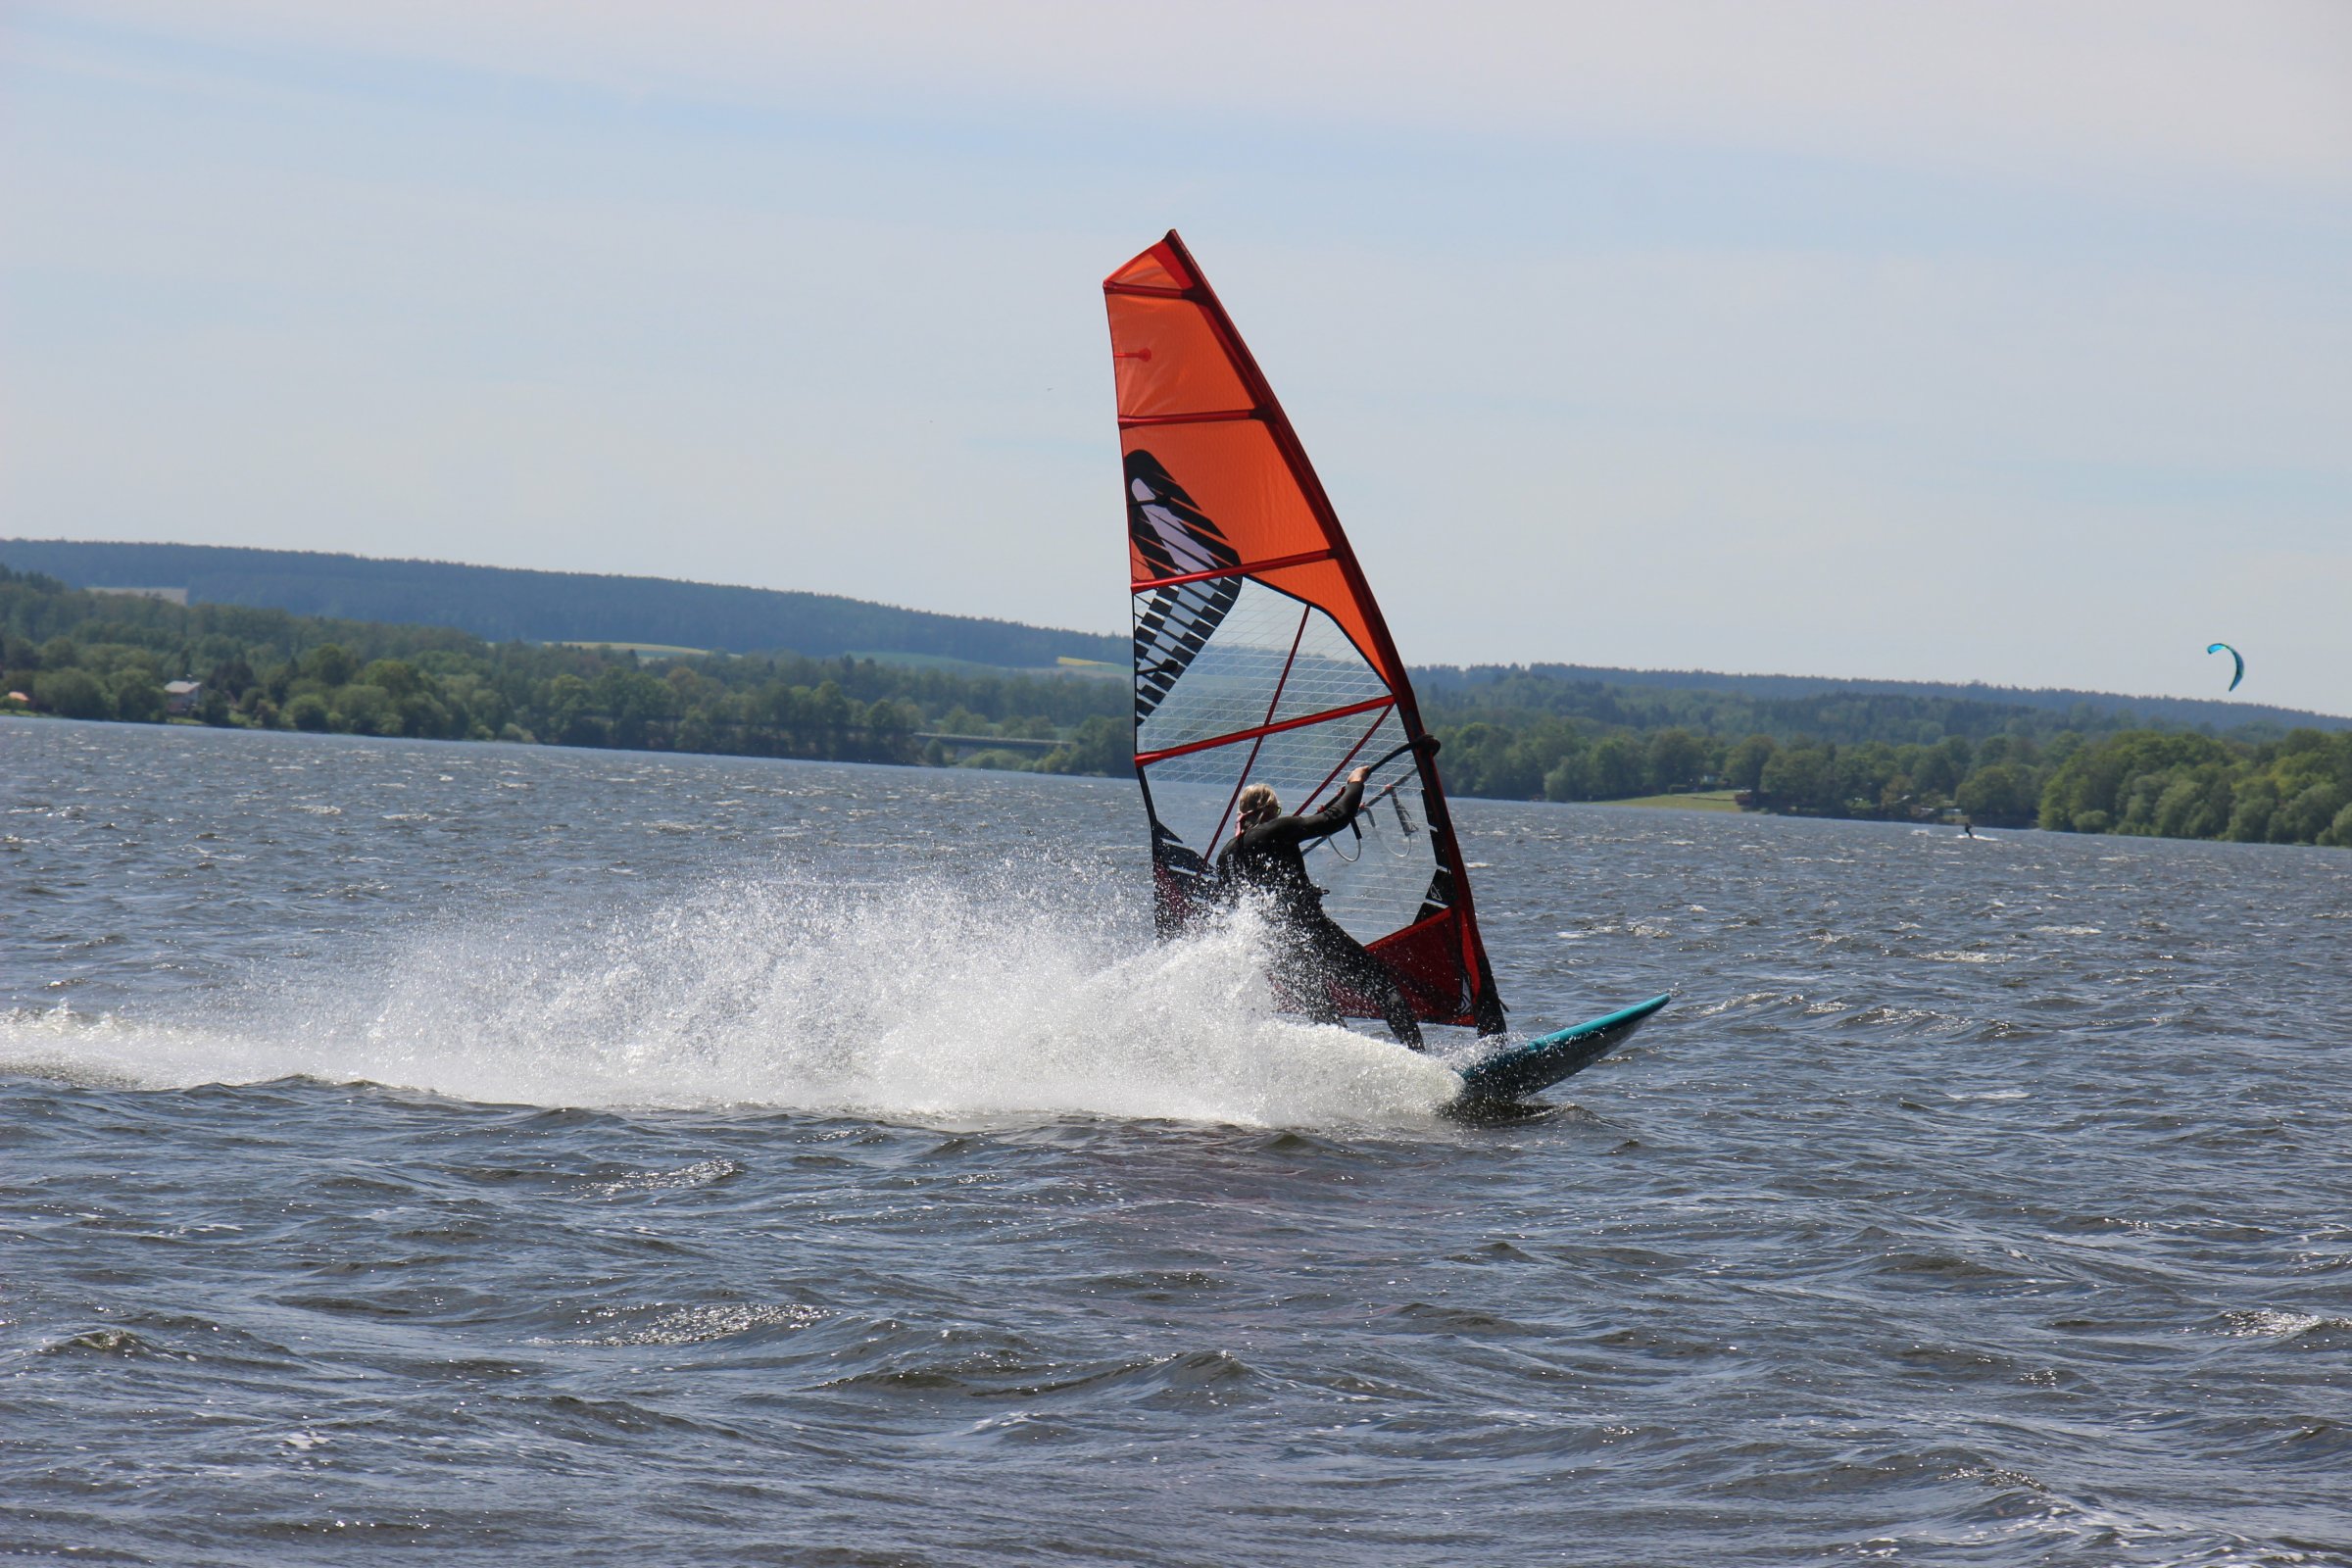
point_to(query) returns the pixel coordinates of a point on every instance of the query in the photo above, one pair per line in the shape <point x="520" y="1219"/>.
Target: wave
<point x="922" y="1000"/>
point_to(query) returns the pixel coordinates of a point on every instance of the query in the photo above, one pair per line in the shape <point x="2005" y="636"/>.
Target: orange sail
<point x="1261" y="656"/>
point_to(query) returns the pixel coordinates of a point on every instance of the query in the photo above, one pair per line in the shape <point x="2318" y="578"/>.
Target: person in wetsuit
<point x="1266" y="856"/>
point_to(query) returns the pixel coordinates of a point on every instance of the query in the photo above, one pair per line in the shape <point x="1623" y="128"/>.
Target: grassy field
<point x="1065" y="665"/>
<point x="1710" y="801"/>
<point x="644" y="650"/>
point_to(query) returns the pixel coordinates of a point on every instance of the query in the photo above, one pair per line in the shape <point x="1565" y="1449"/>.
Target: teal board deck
<point x="1516" y="1071"/>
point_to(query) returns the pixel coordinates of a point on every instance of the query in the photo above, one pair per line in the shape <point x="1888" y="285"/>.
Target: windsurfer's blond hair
<point x="1258" y="803"/>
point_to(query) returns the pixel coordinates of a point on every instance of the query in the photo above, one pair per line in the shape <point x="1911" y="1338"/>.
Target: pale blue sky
<point x="2002" y="342"/>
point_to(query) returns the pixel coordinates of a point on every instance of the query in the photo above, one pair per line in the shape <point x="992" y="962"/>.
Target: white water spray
<point x="923" y="1001"/>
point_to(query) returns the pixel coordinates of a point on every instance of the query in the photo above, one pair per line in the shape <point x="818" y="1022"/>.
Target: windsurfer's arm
<point x="1329" y="820"/>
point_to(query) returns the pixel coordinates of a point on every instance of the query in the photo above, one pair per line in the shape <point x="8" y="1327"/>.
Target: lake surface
<point x="503" y="1156"/>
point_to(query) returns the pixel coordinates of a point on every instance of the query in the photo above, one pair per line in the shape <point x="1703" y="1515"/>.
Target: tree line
<point x="109" y="657"/>
<point x="2289" y="788"/>
<point x="1511" y="734"/>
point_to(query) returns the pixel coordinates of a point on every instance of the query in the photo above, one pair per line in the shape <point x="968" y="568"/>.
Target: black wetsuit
<point x="1312" y="948"/>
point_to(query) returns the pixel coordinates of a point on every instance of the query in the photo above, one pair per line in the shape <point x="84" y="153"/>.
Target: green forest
<point x="1521" y="735"/>
<point x="1506" y="734"/>
<point x="104" y="655"/>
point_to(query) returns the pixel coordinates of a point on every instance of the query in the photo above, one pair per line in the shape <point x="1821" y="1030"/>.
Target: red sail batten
<point x="1247" y="568"/>
<point x="1260" y="732"/>
<point x="1145" y="421"/>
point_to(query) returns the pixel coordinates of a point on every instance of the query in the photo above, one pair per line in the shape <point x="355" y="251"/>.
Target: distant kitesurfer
<point x="1968" y="828"/>
<point x="1264" y="856"/>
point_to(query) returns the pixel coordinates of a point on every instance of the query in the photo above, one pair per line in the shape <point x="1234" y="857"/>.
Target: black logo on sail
<point x="1175" y="538"/>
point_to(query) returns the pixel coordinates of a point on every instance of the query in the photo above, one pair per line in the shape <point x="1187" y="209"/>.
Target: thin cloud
<point x="2090" y="89"/>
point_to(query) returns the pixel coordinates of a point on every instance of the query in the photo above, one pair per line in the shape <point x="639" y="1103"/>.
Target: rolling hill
<point x="505" y="604"/>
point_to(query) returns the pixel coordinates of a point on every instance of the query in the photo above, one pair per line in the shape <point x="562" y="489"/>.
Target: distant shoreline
<point x="1696" y="801"/>
<point x="1504" y="734"/>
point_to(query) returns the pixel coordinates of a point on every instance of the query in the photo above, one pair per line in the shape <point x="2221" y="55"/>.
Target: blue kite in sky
<point x="2240" y="675"/>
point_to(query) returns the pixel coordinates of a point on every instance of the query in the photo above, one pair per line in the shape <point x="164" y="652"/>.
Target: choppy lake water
<point x="500" y="1155"/>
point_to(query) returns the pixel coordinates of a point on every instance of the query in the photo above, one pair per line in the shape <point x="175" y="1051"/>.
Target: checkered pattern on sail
<point x="1173" y="623"/>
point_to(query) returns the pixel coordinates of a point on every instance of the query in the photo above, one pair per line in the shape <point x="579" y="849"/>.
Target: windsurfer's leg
<point x="1300" y="971"/>
<point x="1347" y="961"/>
<point x="1398" y="1011"/>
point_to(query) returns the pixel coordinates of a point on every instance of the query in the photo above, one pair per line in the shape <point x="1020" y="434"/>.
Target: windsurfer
<point x="1265" y="857"/>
